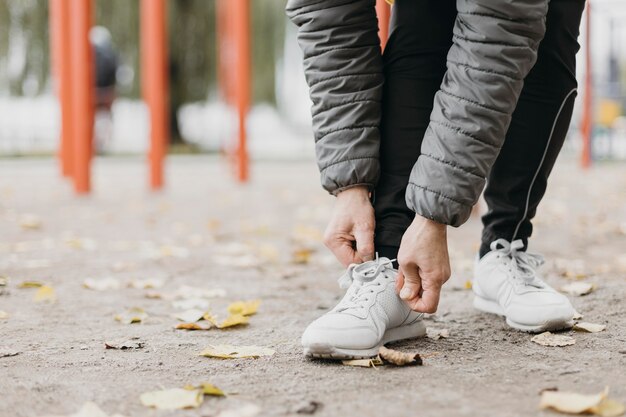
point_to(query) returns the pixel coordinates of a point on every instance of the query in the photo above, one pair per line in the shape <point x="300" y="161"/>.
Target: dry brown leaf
<point x="30" y="284"/>
<point x="172" y="399"/>
<point x="4" y="315"/>
<point x="129" y="344"/>
<point x="578" y="288"/>
<point x="29" y="222"/>
<point x="553" y="340"/>
<point x="191" y="316"/>
<point x="244" y="308"/>
<point x="132" y="316"/>
<point x="570" y="402"/>
<point x="206" y="389"/>
<point x="45" y="294"/>
<point x="193" y="326"/>
<point x="364" y="363"/>
<point x="236" y="352"/>
<point x="398" y="358"/>
<point x="102" y="284"/>
<point x="589" y="327"/>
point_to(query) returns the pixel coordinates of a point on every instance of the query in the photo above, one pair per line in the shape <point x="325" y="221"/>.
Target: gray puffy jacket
<point x="494" y="47"/>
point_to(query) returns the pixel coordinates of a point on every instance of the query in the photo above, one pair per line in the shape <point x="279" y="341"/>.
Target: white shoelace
<point x="364" y="274"/>
<point x="522" y="265"/>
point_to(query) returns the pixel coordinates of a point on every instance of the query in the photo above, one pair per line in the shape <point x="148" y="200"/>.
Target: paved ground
<point x="188" y="234"/>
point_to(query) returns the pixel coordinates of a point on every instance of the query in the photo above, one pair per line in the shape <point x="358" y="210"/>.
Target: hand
<point x="350" y="233"/>
<point x="424" y="264"/>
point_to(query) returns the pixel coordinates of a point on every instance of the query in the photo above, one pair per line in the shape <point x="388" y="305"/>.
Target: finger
<point x="399" y="281"/>
<point x="412" y="284"/>
<point x="365" y="244"/>
<point x="428" y="302"/>
<point x="344" y="252"/>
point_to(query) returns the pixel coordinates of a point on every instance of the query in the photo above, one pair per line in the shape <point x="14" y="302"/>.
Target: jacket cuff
<point x="342" y="175"/>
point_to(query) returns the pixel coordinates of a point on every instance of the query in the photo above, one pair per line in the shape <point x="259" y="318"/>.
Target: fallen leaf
<point x="578" y="288"/>
<point x="45" y="294"/>
<point x="302" y="256"/>
<point x="231" y="321"/>
<point x="608" y="408"/>
<point x="364" y="363"/>
<point x="193" y="326"/>
<point x="570" y="402"/>
<point x="398" y="358"/>
<point x="244" y="308"/>
<point x="153" y="295"/>
<point x="191" y="316"/>
<point x="6" y="351"/>
<point x="236" y="352"/>
<point x="554" y="340"/>
<point x="102" y="284"/>
<point x="30" y="284"/>
<point x="129" y="344"/>
<point x="172" y="399"/>
<point x="132" y="316"/>
<point x="207" y="389"/>
<point x="4" y="281"/>
<point x="4" y="315"/>
<point x="146" y="284"/>
<point x="467" y="285"/>
<point x="589" y="327"/>
<point x="29" y="222"/>
<point x="436" y="334"/>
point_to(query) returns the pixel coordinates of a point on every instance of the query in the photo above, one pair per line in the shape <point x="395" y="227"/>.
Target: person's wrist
<point x="430" y="223"/>
<point x="359" y="192"/>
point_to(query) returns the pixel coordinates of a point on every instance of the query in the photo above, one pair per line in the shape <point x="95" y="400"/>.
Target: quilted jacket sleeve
<point x="494" y="47"/>
<point x="343" y="67"/>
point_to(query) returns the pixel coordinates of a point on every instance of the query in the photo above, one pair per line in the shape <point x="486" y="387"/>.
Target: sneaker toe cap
<point x="341" y="331"/>
<point x="541" y="308"/>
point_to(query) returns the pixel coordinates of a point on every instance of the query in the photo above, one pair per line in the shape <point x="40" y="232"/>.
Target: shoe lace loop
<point x="523" y="264"/>
<point x="363" y="274"/>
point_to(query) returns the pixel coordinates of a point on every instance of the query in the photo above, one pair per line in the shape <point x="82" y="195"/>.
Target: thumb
<point x="412" y="284"/>
<point x="364" y="244"/>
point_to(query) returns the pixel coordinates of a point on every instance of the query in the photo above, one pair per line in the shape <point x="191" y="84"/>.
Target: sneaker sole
<point x="492" y="307"/>
<point x="326" y="351"/>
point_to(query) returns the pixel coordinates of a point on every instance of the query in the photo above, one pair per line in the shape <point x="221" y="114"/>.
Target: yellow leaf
<point x="4" y="315"/>
<point x="192" y="326"/>
<point x="364" y="363"/>
<point x="578" y="288"/>
<point x="570" y="402"/>
<point x="468" y="285"/>
<point x="589" y="327"/>
<point x="172" y="399"/>
<point x="245" y="308"/>
<point x="398" y="358"/>
<point x="191" y="315"/>
<point x="207" y="389"/>
<point x="554" y="340"/>
<point x="45" y="294"/>
<point x="132" y="316"/>
<point x="301" y="256"/>
<point x="30" y="284"/>
<point x="231" y="321"/>
<point x="30" y="222"/>
<point x="608" y="408"/>
<point x="236" y="352"/>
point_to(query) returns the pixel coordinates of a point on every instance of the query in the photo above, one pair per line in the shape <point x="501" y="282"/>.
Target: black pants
<point x="415" y="62"/>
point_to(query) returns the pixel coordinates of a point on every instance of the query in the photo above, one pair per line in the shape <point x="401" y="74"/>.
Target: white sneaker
<point x="506" y="283"/>
<point x="369" y="315"/>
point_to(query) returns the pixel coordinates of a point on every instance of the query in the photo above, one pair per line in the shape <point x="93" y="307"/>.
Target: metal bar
<point x="241" y="32"/>
<point x="587" y="118"/>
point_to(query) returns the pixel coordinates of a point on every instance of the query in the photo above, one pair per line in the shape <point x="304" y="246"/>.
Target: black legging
<point x="415" y="62"/>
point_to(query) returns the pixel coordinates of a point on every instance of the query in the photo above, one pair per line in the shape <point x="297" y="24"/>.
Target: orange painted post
<point x="82" y="93"/>
<point x="383" y="11"/>
<point x="155" y="83"/>
<point x="587" y="120"/>
<point x="60" y="54"/>
<point x="241" y="35"/>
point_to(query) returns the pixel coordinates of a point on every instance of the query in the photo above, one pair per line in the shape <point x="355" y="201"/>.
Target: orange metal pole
<point x="587" y="121"/>
<point x="82" y="93"/>
<point x="155" y="83"/>
<point x="60" y="54"/>
<point x="383" y="10"/>
<point x="241" y="31"/>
